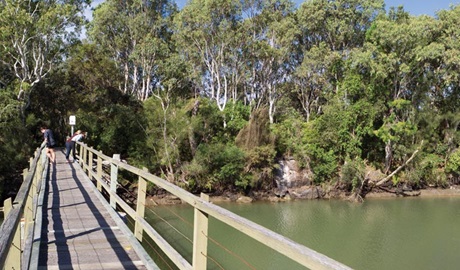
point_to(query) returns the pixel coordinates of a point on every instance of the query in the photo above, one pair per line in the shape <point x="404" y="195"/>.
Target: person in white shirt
<point x="70" y="144"/>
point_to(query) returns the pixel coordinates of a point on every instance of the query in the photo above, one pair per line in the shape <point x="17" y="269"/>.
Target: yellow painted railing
<point x="203" y="209"/>
<point x="17" y="230"/>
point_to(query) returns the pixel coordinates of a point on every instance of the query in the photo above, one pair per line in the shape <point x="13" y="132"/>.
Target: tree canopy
<point x="212" y="96"/>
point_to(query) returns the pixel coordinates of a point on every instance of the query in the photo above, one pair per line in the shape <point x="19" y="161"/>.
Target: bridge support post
<point x="99" y="173"/>
<point x="140" y="207"/>
<point x="114" y="181"/>
<point x="200" y="238"/>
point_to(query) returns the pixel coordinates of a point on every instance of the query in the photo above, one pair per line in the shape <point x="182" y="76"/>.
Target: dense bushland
<point x="210" y="97"/>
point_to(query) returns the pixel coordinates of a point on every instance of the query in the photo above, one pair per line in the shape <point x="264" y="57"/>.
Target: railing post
<point x="27" y="212"/>
<point x="90" y="164"/>
<point x="37" y="177"/>
<point x="113" y="181"/>
<point x="80" y="155"/>
<point x="7" y="206"/>
<point x="140" y="207"/>
<point x="85" y="158"/>
<point x="200" y="238"/>
<point x="24" y="174"/>
<point x="99" y="173"/>
<point x="13" y="260"/>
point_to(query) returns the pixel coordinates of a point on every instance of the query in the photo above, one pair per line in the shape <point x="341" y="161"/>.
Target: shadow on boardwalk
<point x="78" y="230"/>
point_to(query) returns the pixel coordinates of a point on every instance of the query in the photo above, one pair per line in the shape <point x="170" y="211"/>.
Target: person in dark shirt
<point x="50" y="143"/>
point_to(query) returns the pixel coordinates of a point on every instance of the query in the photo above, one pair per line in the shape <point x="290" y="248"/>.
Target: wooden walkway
<point x="80" y="230"/>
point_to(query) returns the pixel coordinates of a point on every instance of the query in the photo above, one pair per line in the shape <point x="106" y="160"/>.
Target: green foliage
<point x="323" y="163"/>
<point x="216" y="167"/>
<point x="210" y="124"/>
<point x="214" y="101"/>
<point x="136" y="36"/>
<point x="353" y="172"/>
<point x="260" y="165"/>
<point x="236" y="116"/>
<point x="167" y="131"/>
<point x="453" y="163"/>
<point x="427" y="170"/>
<point x="16" y="143"/>
<point x="113" y="121"/>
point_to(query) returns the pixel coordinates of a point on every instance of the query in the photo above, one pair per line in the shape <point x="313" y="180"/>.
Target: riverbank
<point x="307" y="193"/>
<point x="429" y="192"/>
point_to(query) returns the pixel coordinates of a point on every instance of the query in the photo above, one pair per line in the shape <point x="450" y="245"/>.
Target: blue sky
<point x="419" y="7"/>
<point x="414" y="7"/>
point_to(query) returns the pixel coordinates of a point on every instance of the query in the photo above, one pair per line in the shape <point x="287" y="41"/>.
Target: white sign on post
<point x="72" y="120"/>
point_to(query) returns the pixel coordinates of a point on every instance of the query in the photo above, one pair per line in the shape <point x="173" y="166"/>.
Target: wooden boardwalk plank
<point x="78" y="231"/>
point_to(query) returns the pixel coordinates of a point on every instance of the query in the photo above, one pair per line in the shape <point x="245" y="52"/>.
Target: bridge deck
<point x="79" y="230"/>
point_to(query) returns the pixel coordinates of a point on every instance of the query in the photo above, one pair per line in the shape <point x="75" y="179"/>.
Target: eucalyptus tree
<point x="445" y="91"/>
<point x="330" y="30"/>
<point x="208" y="37"/>
<point x="33" y="39"/>
<point x="270" y="30"/>
<point x="136" y="34"/>
<point x="401" y="51"/>
<point x="326" y="89"/>
<point x="34" y="36"/>
<point x="171" y="124"/>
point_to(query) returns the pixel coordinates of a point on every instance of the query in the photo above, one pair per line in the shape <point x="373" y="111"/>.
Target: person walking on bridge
<point x="50" y="143"/>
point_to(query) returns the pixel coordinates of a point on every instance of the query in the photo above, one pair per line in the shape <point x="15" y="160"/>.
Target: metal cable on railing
<point x="190" y="240"/>
<point x="213" y="260"/>
<point x="229" y="251"/>
<point x="147" y="241"/>
<point x="187" y="238"/>
<point x="172" y="226"/>
<point x="207" y="236"/>
<point x="203" y="209"/>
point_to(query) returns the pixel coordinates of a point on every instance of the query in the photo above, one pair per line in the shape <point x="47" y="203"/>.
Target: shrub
<point x="353" y="172"/>
<point x="216" y="167"/>
<point x="323" y="164"/>
<point x="453" y="163"/>
<point x="260" y="165"/>
<point x="430" y="171"/>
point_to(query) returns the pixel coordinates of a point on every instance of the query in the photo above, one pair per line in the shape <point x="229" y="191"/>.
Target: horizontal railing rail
<point x="203" y="209"/>
<point x="17" y="230"/>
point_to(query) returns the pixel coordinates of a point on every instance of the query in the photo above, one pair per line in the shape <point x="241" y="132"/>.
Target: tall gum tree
<point x="34" y="36"/>
<point x="445" y="90"/>
<point x="329" y="31"/>
<point x="136" y="35"/>
<point x="273" y="32"/>
<point x="401" y="49"/>
<point x="205" y="33"/>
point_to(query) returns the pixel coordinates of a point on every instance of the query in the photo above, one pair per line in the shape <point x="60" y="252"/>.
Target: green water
<point x="406" y="233"/>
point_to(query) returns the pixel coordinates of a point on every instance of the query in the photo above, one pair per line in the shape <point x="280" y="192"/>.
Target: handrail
<point x="203" y="208"/>
<point x="18" y="225"/>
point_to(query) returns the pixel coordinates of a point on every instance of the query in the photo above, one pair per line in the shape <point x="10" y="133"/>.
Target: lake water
<point x="403" y="233"/>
